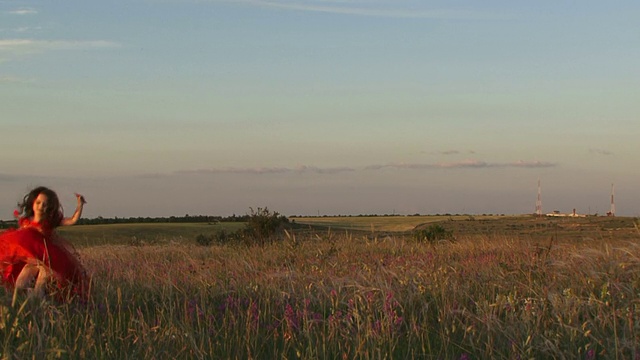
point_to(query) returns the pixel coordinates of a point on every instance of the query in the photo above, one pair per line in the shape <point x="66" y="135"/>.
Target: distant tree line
<point x="5" y="224"/>
<point x="388" y="215"/>
<point x="171" y="219"/>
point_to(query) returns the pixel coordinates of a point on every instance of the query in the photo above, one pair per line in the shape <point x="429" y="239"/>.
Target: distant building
<point x="557" y="213"/>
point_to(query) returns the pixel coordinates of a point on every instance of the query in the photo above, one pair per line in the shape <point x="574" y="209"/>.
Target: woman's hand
<point x="80" y="198"/>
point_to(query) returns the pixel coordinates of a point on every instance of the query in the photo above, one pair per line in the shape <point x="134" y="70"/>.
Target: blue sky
<point x="159" y="108"/>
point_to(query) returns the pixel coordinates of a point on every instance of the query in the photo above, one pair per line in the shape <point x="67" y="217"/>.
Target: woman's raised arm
<point x="76" y="215"/>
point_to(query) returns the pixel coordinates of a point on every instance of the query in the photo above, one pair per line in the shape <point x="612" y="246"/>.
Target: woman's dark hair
<point x="53" y="210"/>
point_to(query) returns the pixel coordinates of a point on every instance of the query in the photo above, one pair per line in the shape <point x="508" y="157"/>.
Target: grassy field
<point x="382" y="223"/>
<point x="499" y="291"/>
<point x="523" y="226"/>
<point x="142" y="234"/>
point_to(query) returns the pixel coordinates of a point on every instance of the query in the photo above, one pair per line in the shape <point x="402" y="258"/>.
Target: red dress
<point x="38" y="241"/>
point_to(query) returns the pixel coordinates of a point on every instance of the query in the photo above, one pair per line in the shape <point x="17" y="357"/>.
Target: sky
<point x="321" y="107"/>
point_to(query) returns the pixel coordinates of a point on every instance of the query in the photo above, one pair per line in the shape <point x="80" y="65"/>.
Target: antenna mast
<point x="539" y="201"/>
<point x="612" y="212"/>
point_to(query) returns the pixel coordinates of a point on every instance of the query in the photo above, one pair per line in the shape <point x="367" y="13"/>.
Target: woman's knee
<point x="27" y="276"/>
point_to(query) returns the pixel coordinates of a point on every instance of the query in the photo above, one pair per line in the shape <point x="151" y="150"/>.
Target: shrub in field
<point x="263" y="225"/>
<point x="223" y="237"/>
<point x="433" y="233"/>
<point x="204" y="240"/>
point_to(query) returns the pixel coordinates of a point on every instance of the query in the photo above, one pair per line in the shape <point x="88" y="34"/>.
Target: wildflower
<point x="377" y="327"/>
<point x="335" y="319"/>
<point x="590" y="355"/>
<point x="369" y="296"/>
<point x="253" y="315"/>
<point x="291" y="317"/>
<point x="193" y="309"/>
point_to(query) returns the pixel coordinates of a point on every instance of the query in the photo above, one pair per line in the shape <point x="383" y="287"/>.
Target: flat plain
<point x="502" y="287"/>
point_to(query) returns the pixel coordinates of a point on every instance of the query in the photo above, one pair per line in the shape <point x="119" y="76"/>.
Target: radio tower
<point x="612" y="212"/>
<point x="539" y="202"/>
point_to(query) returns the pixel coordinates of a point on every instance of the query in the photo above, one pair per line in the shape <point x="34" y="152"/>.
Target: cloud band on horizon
<point x="40" y="45"/>
<point x="468" y="164"/>
<point x="368" y="8"/>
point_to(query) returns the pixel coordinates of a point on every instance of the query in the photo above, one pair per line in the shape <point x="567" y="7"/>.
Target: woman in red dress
<point x="34" y="257"/>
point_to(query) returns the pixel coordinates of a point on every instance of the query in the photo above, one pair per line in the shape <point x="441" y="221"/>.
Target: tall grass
<point x="331" y="296"/>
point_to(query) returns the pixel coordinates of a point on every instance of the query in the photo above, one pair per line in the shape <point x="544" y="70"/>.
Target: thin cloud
<point x="23" y="178"/>
<point x="600" y="152"/>
<point x="305" y="169"/>
<point x="232" y="170"/>
<point x="9" y="177"/>
<point x="308" y="169"/>
<point x="400" y="166"/>
<point x="24" y="29"/>
<point x="418" y="166"/>
<point x="269" y="170"/>
<point x="478" y="164"/>
<point x="8" y="79"/>
<point x="23" y="11"/>
<point x="450" y="152"/>
<point x="398" y="9"/>
<point x="330" y="170"/>
<point x="466" y="164"/>
<point x="10" y="44"/>
<point x="30" y="45"/>
<point x="531" y="164"/>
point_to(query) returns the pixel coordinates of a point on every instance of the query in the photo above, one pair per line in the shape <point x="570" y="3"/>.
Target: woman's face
<point x="40" y="205"/>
